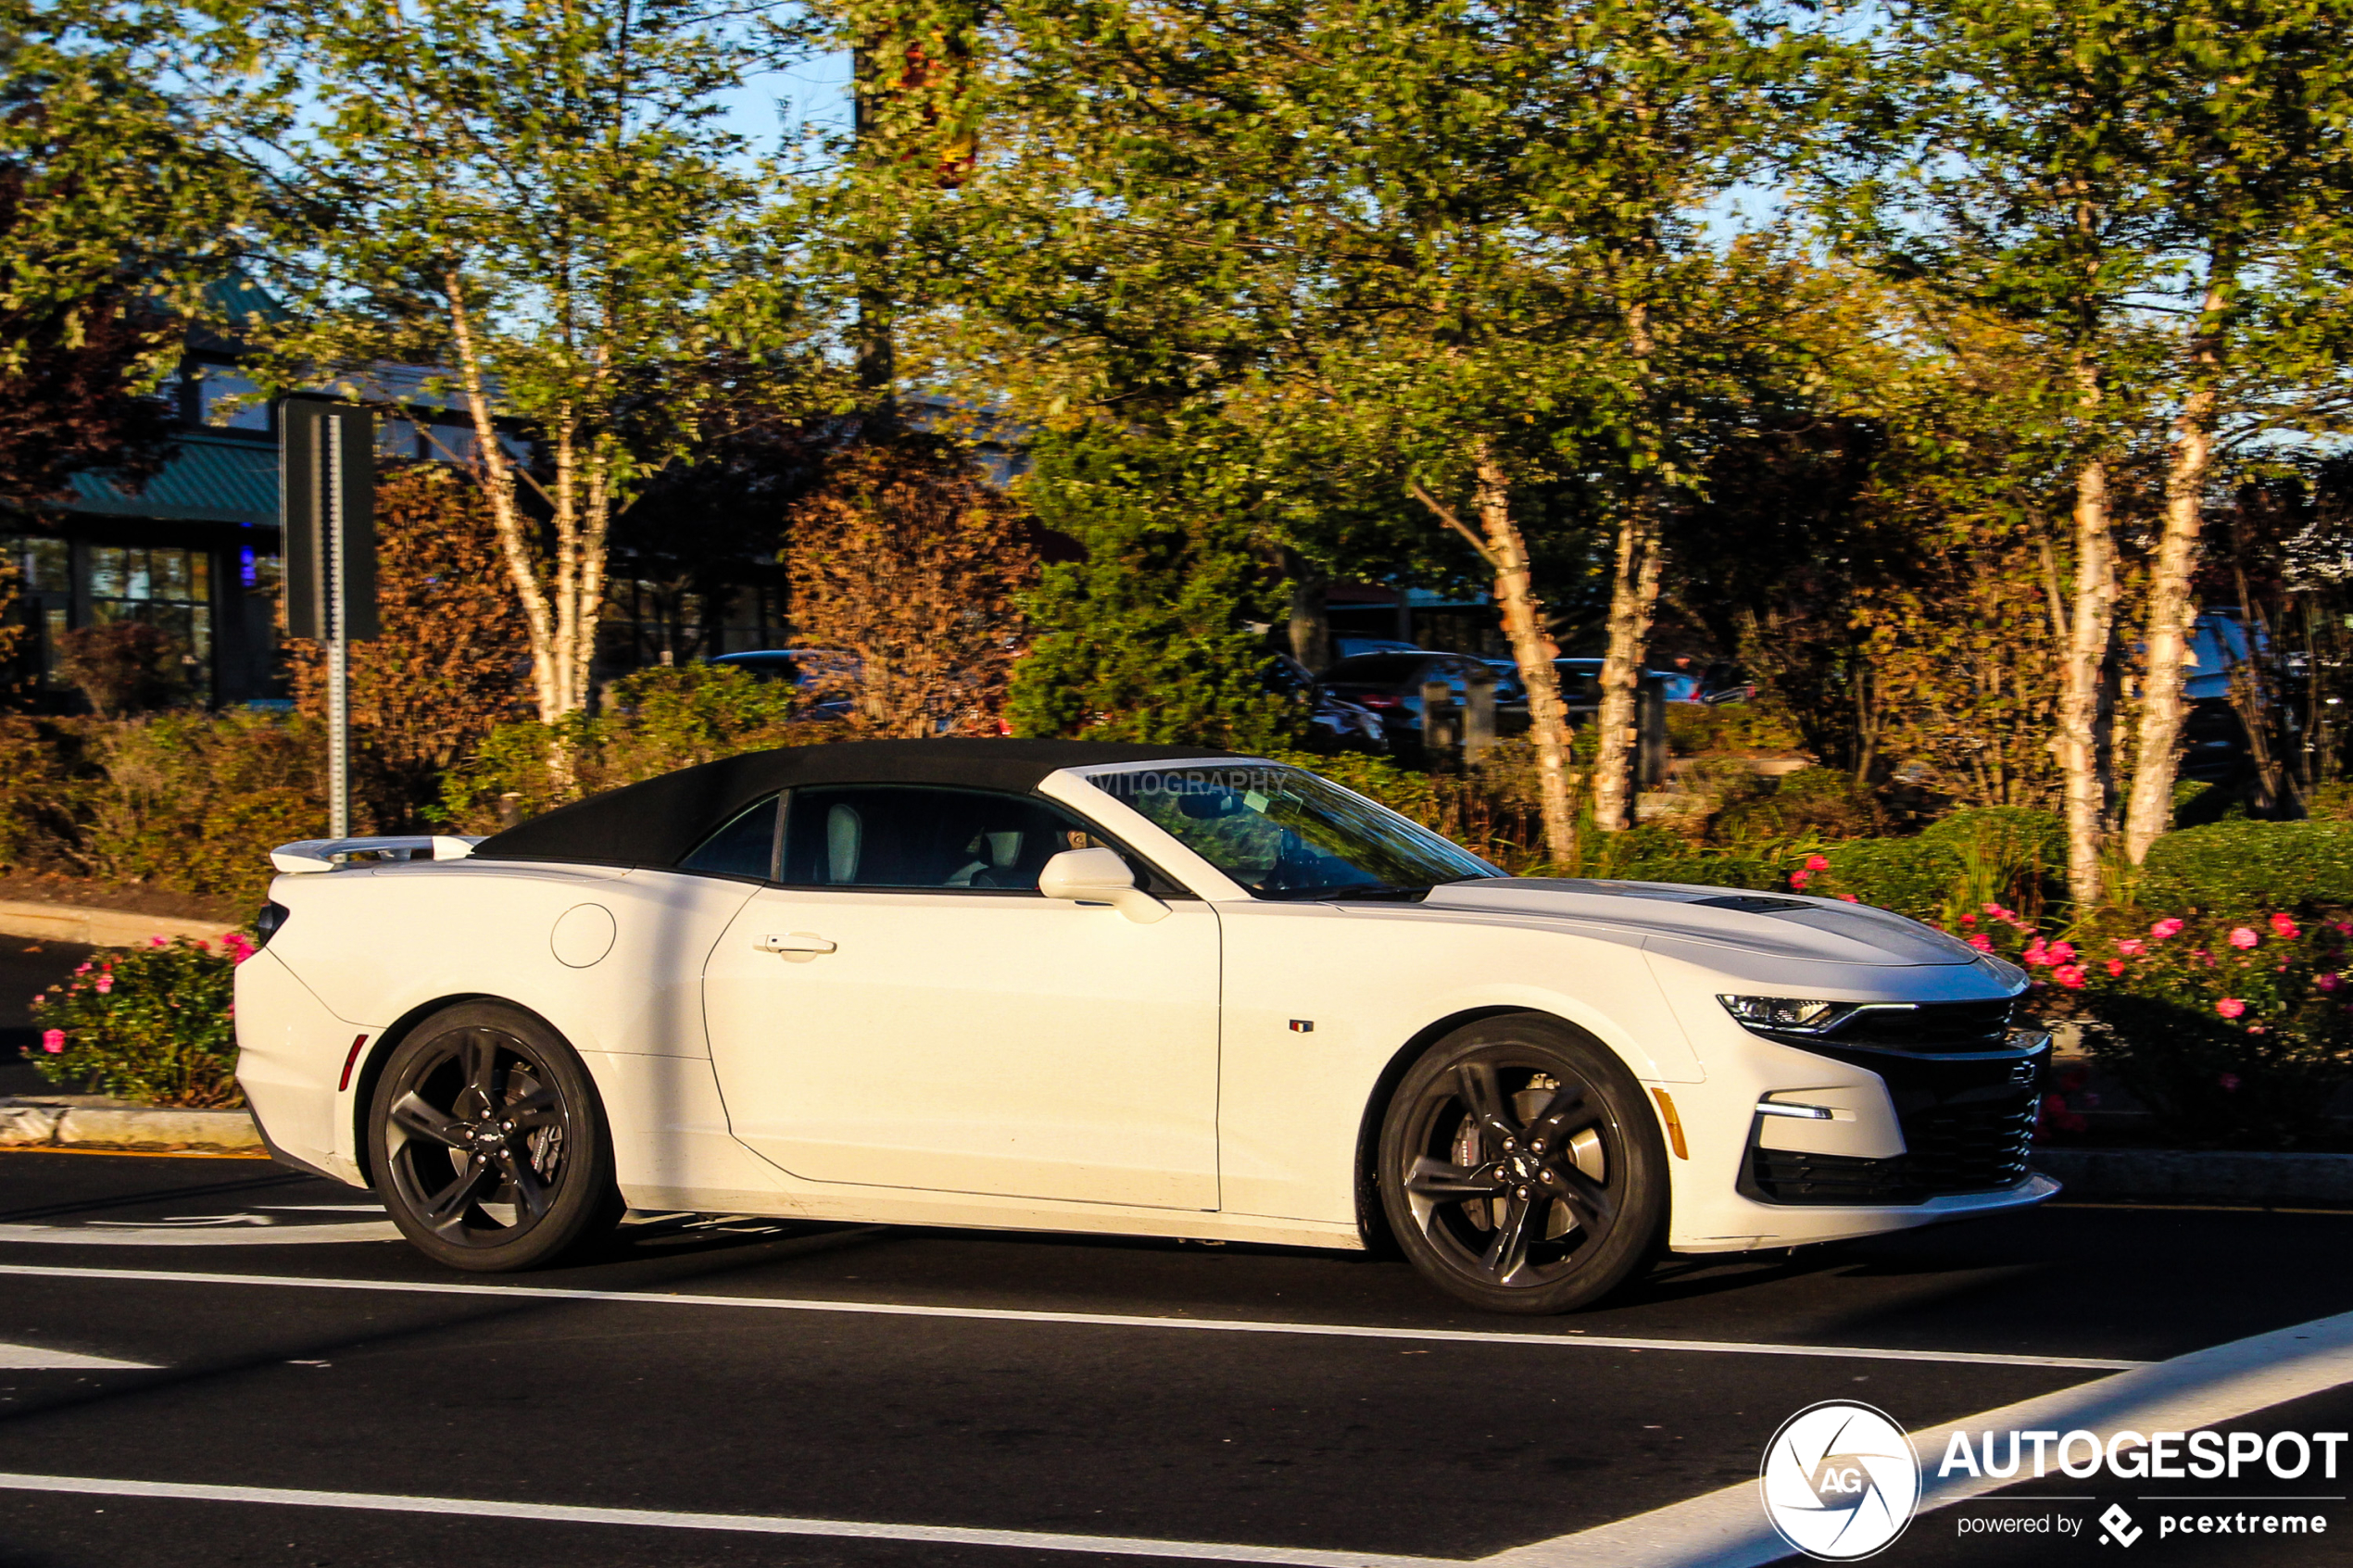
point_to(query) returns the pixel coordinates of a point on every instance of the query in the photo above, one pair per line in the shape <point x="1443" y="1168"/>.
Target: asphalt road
<point x="712" y="1387"/>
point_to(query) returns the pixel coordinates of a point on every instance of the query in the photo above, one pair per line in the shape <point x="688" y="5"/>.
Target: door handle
<point x="799" y="942"/>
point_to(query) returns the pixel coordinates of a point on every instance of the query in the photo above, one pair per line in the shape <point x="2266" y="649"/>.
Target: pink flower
<point x="2244" y="938"/>
<point x="1982" y="942"/>
<point x="1818" y="863"/>
<point x="2132" y="946"/>
<point x="2061" y="952"/>
<point x="2170" y="926"/>
<point x="1799" y="879"/>
<point x="2115" y="968"/>
<point x="2229" y="1081"/>
<point x="157" y="942"/>
<point x="1851" y="897"/>
<point x="1995" y="910"/>
<point x="1969" y="920"/>
<point x="2286" y="927"/>
<point x="39" y="998"/>
<point x="2326" y="981"/>
<point x="105" y="984"/>
<point x="2229" y="1007"/>
<point x="53" y="1040"/>
<point x="2070" y="976"/>
<point x="83" y="969"/>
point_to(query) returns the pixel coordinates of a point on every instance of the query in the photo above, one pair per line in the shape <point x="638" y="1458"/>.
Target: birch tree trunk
<point x="2172" y="612"/>
<point x="1633" y="604"/>
<point x="1501" y="545"/>
<point x="1532" y="651"/>
<point x="2085" y="632"/>
<point x="497" y="479"/>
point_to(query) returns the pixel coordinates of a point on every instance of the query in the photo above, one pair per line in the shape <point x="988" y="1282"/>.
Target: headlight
<point x="1792" y="1013"/>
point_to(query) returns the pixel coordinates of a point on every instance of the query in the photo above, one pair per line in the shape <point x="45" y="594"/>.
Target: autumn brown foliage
<point x="904" y="560"/>
<point x="450" y="663"/>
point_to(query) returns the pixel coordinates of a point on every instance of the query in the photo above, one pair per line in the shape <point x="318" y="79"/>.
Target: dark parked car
<point x="1390" y="685"/>
<point x="822" y="675"/>
<point x="1331" y="721"/>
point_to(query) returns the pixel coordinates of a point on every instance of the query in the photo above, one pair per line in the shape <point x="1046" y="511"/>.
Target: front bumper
<point x="1967" y="1123"/>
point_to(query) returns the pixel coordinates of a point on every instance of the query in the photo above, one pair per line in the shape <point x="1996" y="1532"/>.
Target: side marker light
<point x="1674" y="1124"/>
<point x="350" y="1058"/>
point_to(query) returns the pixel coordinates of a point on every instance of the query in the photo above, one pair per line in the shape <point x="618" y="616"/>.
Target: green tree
<point x="1145" y="638"/>
<point x="540" y="199"/>
<point x="1466" y="235"/>
<point x="2150" y="192"/>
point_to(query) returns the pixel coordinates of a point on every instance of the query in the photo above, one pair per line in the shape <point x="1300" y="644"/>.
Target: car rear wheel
<point x="490" y="1150"/>
<point x="1521" y="1168"/>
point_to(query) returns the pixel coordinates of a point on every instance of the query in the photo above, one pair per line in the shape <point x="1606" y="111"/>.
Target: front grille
<point x="1967" y="1126"/>
<point x="1931" y="1027"/>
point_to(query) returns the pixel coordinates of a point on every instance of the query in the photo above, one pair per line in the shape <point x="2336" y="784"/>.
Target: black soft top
<point x="657" y="822"/>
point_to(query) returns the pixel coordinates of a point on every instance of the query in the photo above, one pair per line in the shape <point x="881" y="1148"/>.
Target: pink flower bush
<point x="2132" y="946"/>
<point x="53" y="1040"/>
<point x="2170" y="926"/>
<point x="2070" y="976"/>
<point x="2115" y="968"/>
<point x="2244" y="938"/>
<point x="105" y="984"/>
<point x="1818" y="863"/>
<point x="1982" y="942"/>
<point x="2229" y="1007"/>
<point x="1799" y="879"/>
<point x="2285" y="928"/>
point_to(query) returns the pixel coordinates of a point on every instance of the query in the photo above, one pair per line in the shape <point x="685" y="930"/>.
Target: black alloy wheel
<point x="1521" y="1168"/>
<point x="490" y="1150"/>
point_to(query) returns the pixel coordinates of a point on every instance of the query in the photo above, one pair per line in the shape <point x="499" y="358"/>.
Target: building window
<point x="167" y="587"/>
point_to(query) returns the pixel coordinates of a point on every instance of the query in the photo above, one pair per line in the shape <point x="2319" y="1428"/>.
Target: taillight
<point x="1379" y="700"/>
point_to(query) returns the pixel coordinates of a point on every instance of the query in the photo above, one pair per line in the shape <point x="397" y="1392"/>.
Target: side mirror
<point x="1099" y="876"/>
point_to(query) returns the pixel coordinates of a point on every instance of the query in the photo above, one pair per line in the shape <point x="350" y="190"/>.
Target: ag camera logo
<point x="1840" y="1481"/>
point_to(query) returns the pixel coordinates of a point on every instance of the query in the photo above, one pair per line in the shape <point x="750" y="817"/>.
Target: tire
<point x="488" y="1144"/>
<point x="1521" y="1170"/>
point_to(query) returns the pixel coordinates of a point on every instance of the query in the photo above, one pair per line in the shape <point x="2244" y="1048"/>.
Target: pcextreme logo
<point x="1840" y="1481"/>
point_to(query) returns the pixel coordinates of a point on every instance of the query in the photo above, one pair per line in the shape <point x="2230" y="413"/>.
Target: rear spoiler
<point x="331" y="854"/>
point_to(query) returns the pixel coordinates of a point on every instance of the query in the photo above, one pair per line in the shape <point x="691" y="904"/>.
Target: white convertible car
<point x="1057" y="985"/>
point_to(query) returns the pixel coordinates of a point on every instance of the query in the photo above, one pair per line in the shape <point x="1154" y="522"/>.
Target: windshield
<point x="1283" y="833"/>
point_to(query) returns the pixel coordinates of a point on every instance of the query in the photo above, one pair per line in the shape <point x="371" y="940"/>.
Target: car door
<point x="901" y="1007"/>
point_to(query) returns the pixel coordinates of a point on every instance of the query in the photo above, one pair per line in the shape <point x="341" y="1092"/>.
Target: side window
<point x="882" y="835"/>
<point x="746" y="845"/>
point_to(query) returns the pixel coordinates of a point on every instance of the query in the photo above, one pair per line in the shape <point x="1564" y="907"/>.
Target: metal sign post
<point x="327" y="473"/>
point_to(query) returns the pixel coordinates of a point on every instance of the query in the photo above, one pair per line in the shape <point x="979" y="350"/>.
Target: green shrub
<point x="1912" y="876"/>
<point x="2234" y="1033"/>
<point x="653" y="723"/>
<point x="2250" y="866"/>
<point x="1751" y="727"/>
<point x="153" y="1024"/>
<point x="1810" y="803"/>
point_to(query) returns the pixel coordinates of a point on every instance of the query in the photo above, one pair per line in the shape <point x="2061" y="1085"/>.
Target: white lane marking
<point x="227" y="1231"/>
<point x="40" y="1358"/>
<point x="1096" y="1320"/>
<point x="1726" y="1529"/>
<point x="935" y="1535"/>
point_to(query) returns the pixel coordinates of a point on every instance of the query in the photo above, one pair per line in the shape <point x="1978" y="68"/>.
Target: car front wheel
<point x="1520" y="1168"/>
<point x="490" y="1150"/>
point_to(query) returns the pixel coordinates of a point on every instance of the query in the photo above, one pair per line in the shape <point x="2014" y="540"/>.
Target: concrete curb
<point x="2173" y="1173"/>
<point x="99" y="928"/>
<point x="94" y="1128"/>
